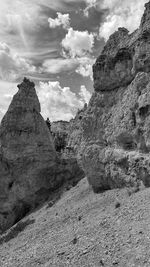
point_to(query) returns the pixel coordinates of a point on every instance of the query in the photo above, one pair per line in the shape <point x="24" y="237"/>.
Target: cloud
<point x="59" y="65"/>
<point x="7" y="90"/>
<point x="78" y="43"/>
<point x="81" y="65"/>
<point x="12" y="65"/>
<point x="84" y="94"/>
<point x="121" y="14"/>
<point x="90" y="4"/>
<point x="61" y="20"/>
<point x="20" y="15"/>
<point x="85" y="67"/>
<point x="59" y="103"/>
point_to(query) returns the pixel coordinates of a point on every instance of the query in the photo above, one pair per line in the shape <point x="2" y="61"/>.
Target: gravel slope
<point x="83" y="229"/>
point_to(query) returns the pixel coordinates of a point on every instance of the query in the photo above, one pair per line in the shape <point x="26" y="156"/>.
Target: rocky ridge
<point x="114" y="146"/>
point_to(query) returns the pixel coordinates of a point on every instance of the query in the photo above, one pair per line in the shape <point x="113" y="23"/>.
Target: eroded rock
<point x="26" y="153"/>
<point x="30" y="168"/>
<point x="115" y="142"/>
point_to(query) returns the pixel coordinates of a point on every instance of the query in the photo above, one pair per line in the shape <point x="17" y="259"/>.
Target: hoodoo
<point x="27" y="155"/>
<point x="30" y="168"/>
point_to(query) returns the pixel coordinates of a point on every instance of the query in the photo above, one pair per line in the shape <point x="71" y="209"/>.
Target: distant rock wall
<point x="60" y="131"/>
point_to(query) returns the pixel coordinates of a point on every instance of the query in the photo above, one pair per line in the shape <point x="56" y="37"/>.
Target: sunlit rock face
<point x="115" y="144"/>
<point x="27" y="155"/>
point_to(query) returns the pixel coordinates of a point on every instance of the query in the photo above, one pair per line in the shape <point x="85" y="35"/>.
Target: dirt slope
<point x="83" y="229"/>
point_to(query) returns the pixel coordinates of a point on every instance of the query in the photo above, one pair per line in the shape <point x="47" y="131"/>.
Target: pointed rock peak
<point x="26" y="84"/>
<point x="26" y="97"/>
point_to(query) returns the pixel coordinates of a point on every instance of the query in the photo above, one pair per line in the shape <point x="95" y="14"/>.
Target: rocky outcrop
<point x="30" y="168"/>
<point x="27" y="154"/>
<point x="123" y="56"/>
<point x="115" y="143"/>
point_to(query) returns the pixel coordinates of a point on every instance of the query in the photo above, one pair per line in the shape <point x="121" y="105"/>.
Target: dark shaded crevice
<point x="10" y="185"/>
<point x="143" y="111"/>
<point x="133" y="118"/>
<point x="21" y="211"/>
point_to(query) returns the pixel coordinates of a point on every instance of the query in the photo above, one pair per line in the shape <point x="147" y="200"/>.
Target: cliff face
<point x="123" y="56"/>
<point x="116" y="125"/>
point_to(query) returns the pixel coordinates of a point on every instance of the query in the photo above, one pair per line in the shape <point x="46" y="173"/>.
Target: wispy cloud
<point x="12" y="65"/>
<point x="59" y="65"/>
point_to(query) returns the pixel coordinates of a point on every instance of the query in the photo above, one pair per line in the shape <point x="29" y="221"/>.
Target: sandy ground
<point x="83" y="229"/>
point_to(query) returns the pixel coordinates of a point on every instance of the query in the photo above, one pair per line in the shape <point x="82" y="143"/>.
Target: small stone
<point x="79" y="218"/>
<point x="74" y="241"/>
<point x="115" y="262"/>
<point x="101" y="262"/>
<point x="117" y="205"/>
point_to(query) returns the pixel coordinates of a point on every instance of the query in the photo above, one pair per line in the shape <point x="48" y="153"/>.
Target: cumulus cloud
<point x="61" y="20"/>
<point x="85" y="67"/>
<point x="59" y="103"/>
<point x="12" y="65"/>
<point x="78" y="43"/>
<point x="121" y="14"/>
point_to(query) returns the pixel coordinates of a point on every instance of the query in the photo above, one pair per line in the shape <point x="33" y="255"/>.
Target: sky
<point x="55" y="44"/>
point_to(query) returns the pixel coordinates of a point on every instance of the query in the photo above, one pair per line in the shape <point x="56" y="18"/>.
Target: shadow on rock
<point x="15" y="230"/>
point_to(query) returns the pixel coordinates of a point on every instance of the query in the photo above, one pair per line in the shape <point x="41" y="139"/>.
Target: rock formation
<point x="75" y="130"/>
<point x="115" y="142"/>
<point x="29" y="165"/>
<point x="26" y="154"/>
<point x="60" y="131"/>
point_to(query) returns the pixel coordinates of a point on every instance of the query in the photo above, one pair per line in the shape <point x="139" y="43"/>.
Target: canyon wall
<point x="114" y="147"/>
